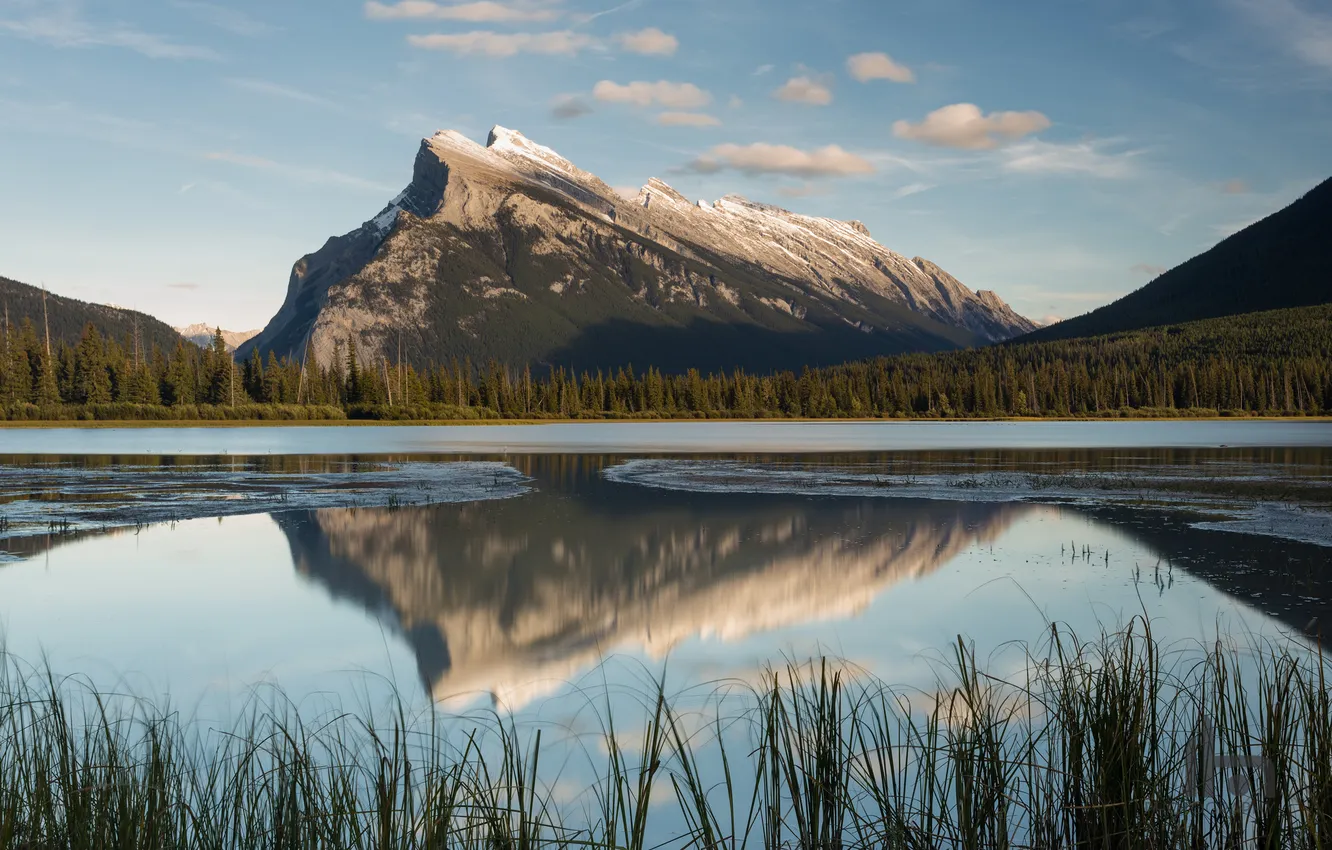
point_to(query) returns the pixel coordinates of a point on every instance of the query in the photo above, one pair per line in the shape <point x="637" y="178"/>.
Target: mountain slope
<point x="1285" y="260"/>
<point x="67" y="317"/>
<point x="510" y="252"/>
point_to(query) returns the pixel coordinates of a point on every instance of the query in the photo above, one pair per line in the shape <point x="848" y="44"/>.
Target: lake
<point x="532" y="571"/>
<point x="354" y="551"/>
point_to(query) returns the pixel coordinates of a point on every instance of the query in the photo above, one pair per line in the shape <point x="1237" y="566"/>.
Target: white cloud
<point x="569" y="106"/>
<point x="480" y="11"/>
<point x="806" y="90"/>
<point x="878" y="66"/>
<point x="649" y="42"/>
<point x="761" y="158"/>
<point x="764" y="69"/>
<point x="61" y="25"/>
<point x="559" y="43"/>
<point x="963" y="125"/>
<point x="735" y="102"/>
<point x="1148" y="269"/>
<point x="282" y="92"/>
<point x="687" y="119"/>
<point x="301" y="173"/>
<point x="1090" y="158"/>
<point x="663" y="92"/>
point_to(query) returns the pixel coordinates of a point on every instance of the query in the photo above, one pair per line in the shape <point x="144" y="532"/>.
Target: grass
<point x="1107" y="743"/>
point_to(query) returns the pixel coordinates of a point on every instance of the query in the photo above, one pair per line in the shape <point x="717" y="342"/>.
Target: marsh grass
<point x="1116" y="742"/>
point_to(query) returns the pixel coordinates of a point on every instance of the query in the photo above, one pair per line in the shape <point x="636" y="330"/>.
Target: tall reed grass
<point x="1116" y="742"/>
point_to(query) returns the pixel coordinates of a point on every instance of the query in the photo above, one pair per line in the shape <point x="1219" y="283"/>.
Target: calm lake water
<point x="665" y="437"/>
<point x="540" y="566"/>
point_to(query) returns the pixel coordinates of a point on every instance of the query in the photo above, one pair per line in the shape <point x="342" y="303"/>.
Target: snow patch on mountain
<point x="201" y="334"/>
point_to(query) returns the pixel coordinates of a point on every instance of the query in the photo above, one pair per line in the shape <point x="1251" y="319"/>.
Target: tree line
<point x="1277" y="363"/>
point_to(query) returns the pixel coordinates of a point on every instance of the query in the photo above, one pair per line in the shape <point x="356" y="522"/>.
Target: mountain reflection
<point x="496" y="596"/>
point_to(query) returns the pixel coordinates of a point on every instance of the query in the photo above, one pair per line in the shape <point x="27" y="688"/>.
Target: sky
<point x="178" y="156"/>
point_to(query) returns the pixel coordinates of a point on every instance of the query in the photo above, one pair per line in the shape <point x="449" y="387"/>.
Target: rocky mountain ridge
<point x="201" y="334"/>
<point x="508" y="251"/>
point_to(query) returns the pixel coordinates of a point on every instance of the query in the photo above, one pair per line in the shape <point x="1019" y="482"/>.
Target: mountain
<point x="510" y="252"/>
<point x="67" y="317"/>
<point x="1285" y="260"/>
<point x="201" y="334"/>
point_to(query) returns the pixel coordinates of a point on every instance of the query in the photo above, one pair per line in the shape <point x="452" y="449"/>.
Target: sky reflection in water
<point x="509" y="602"/>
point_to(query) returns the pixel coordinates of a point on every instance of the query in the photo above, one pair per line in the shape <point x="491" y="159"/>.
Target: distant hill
<point x="1285" y="260"/>
<point x="68" y="317"/>
<point x="201" y="334"/>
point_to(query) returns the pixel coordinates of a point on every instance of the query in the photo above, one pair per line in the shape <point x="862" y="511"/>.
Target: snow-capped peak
<point x="502" y="140"/>
<point x="658" y="191"/>
<point x="453" y="139"/>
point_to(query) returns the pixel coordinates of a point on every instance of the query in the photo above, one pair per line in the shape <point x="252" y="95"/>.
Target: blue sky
<point x="178" y="156"/>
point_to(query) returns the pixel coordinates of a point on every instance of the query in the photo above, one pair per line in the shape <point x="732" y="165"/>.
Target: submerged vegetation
<point x="1275" y="364"/>
<point x="1114" y="743"/>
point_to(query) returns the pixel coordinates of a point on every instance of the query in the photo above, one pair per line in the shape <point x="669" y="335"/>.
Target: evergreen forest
<point x="1276" y="363"/>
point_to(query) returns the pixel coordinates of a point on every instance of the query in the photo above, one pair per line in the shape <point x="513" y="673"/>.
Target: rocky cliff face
<point x="509" y="251"/>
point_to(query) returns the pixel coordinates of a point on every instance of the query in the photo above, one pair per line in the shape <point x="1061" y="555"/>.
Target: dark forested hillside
<point x="1277" y="363"/>
<point x="68" y="317"/>
<point x="1285" y="260"/>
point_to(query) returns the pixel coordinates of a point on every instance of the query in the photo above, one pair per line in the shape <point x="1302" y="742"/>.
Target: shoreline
<point x="78" y="424"/>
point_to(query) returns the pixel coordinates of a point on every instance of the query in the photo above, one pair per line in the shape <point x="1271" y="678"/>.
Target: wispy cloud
<point x="277" y="90"/>
<point x="63" y="118"/>
<point x="963" y="125"/>
<point x="188" y="287"/>
<point x="665" y="93"/>
<point x="761" y="158"/>
<point x="911" y="189"/>
<point x="227" y="18"/>
<point x="1093" y="158"/>
<point x="299" y="173"/>
<point x="1235" y="187"/>
<point x="501" y="45"/>
<point x="1148" y="270"/>
<point x="480" y="11"/>
<point x="588" y="18"/>
<point x="60" y="23"/>
<point x="1302" y="32"/>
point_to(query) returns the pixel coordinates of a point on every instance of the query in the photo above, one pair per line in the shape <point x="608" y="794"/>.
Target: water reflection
<point x="516" y="598"/>
<point x="513" y="598"/>
<point x="499" y="596"/>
